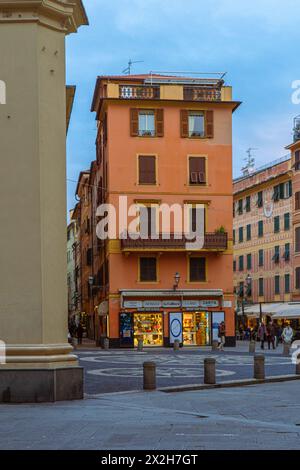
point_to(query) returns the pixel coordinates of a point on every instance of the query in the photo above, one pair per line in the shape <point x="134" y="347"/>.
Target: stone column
<point x="33" y="291"/>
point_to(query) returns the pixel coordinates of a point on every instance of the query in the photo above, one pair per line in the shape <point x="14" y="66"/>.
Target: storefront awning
<point x="276" y="310"/>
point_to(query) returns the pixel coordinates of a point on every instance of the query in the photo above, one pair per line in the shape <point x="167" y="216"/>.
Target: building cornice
<point x="61" y="15"/>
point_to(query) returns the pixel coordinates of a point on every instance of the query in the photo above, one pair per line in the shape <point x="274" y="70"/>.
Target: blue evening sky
<point x="256" y="43"/>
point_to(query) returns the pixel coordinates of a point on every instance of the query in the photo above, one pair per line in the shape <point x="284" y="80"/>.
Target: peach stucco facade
<point x="117" y="162"/>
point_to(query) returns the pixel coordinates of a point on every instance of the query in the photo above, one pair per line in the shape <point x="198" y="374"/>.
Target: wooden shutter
<point x="147" y="269"/>
<point x="209" y="124"/>
<point x="147" y="173"/>
<point x="297" y="239"/>
<point x="134" y="122"/>
<point x="297" y="200"/>
<point x="297" y="275"/>
<point x="159" y="122"/>
<point x="197" y="269"/>
<point x="184" y="123"/>
<point x="197" y="170"/>
<point x="297" y="160"/>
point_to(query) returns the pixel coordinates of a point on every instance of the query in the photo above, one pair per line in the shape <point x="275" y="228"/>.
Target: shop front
<point x="159" y="322"/>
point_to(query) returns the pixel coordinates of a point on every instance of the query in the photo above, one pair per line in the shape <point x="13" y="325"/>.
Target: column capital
<point x="61" y="15"/>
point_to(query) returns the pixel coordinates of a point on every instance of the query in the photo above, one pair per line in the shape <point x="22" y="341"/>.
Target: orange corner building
<point x="164" y="140"/>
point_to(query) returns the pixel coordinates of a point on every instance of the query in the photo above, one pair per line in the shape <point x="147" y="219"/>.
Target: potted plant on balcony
<point x="219" y="230"/>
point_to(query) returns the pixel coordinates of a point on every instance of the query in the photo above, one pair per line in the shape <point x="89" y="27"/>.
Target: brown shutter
<point x="134" y="122"/>
<point x="147" y="269"/>
<point x="297" y="160"/>
<point x="297" y="275"/>
<point x="297" y="239"/>
<point x="197" y="269"/>
<point x="209" y="124"/>
<point x="147" y="173"/>
<point x="184" y="123"/>
<point x="297" y="200"/>
<point x="159" y="122"/>
<point x="197" y="170"/>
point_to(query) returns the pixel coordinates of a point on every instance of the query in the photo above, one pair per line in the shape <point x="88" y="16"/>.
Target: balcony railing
<point x="212" y="241"/>
<point x="139" y="92"/>
<point x="201" y="94"/>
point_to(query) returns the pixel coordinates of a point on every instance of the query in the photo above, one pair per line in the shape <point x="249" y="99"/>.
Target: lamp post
<point x="176" y="281"/>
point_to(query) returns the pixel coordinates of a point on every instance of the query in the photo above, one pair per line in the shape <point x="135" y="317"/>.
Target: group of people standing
<point x="273" y="334"/>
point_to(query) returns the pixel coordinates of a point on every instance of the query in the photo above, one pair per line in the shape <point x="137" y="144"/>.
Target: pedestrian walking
<point x="262" y="334"/>
<point x="79" y="333"/>
<point x="271" y="335"/>
<point x="287" y="334"/>
<point x="221" y="335"/>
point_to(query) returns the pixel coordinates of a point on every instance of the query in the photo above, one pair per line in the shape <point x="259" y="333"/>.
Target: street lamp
<point x="176" y="280"/>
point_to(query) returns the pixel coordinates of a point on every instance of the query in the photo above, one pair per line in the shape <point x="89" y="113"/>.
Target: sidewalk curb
<point x="229" y="384"/>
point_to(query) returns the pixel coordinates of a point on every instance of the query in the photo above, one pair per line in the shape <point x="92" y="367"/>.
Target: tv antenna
<point x="127" y="71"/>
<point x="250" y="162"/>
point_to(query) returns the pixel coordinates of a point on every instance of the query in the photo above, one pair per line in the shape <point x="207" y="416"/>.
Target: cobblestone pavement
<point x="255" y="417"/>
<point x="121" y="370"/>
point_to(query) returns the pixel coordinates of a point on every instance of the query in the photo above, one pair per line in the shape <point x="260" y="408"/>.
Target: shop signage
<point x="152" y="304"/>
<point x="227" y="303"/>
<point x="133" y="304"/>
<point x="209" y="303"/>
<point x="191" y="303"/>
<point x="171" y="303"/>
<point x="175" y="327"/>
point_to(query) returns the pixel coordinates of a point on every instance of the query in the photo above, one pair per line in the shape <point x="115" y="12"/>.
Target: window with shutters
<point x="248" y="230"/>
<point x="276" y="256"/>
<point x="297" y="200"/>
<point x="249" y="261"/>
<point x="147" y="169"/>
<point x="197" y="124"/>
<point x="297" y="239"/>
<point x="277" y="285"/>
<point x="286" y="283"/>
<point x="261" y="228"/>
<point x="197" y="269"/>
<point x="248" y="204"/>
<point x="287" y="250"/>
<point x="240" y="206"/>
<point x="261" y="286"/>
<point x="276" y="224"/>
<point x="241" y="234"/>
<point x="234" y="265"/>
<point x="287" y="221"/>
<point x="197" y="170"/>
<point x="297" y="278"/>
<point x="297" y="160"/>
<point x="148" y="269"/>
<point x="233" y="236"/>
<point x="241" y="263"/>
<point x="260" y="258"/>
<point x="146" y="122"/>
<point x="260" y="200"/>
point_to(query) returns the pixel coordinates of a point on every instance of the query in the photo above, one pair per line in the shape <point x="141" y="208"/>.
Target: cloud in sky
<point x="254" y="42"/>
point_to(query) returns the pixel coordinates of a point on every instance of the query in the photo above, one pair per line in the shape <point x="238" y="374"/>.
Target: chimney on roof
<point x="296" y="128"/>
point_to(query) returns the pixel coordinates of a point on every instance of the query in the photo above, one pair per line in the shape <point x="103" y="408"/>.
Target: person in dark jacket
<point x="271" y="335"/>
<point x="79" y="333"/>
<point x="262" y="334"/>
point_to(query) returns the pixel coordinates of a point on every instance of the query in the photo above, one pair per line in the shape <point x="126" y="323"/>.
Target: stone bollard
<point x="140" y="345"/>
<point x="286" y="349"/>
<point x="176" y="345"/>
<point x="106" y="344"/>
<point x="252" y="345"/>
<point x="259" y="367"/>
<point x="209" y="370"/>
<point x="215" y="345"/>
<point x="149" y="375"/>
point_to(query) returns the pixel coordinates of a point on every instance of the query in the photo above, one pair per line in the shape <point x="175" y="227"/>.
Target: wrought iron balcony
<point x="212" y="241"/>
<point x="201" y="94"/>
<point x="139" y="92"/>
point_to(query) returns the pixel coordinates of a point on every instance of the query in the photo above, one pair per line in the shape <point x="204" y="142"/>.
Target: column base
<point x="41" y="385"/>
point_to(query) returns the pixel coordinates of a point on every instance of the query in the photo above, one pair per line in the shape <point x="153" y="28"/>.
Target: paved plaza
<point x="254" y="417"/>
<point x="122" y="370"/>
